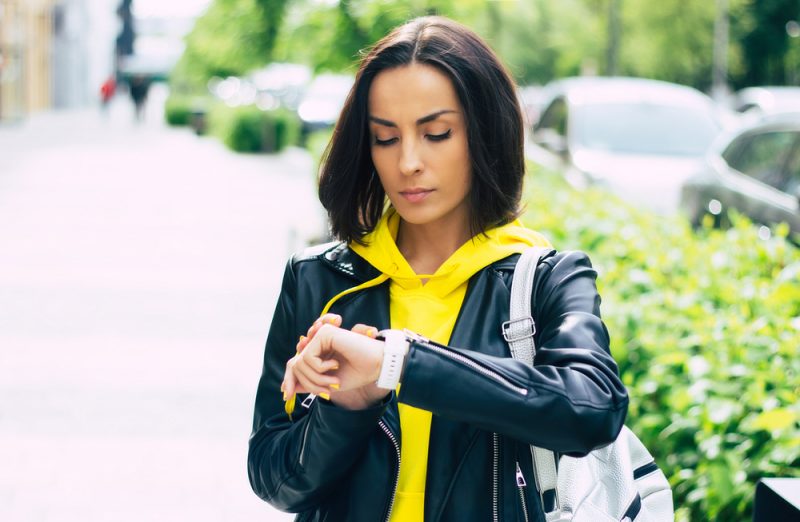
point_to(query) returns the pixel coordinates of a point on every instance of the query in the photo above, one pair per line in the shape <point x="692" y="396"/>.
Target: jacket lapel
<point x="484" y="298"/>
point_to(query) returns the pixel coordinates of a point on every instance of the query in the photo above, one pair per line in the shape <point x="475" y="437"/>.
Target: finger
<point x="312" y="375"/>
<point x="302" y="343"/>
<point x="288" y="387"/>
<point x="318" y="364"/>
<point x="369" y="331"/>
<point x="314" y="382"/>
<point x="333" y="319"/>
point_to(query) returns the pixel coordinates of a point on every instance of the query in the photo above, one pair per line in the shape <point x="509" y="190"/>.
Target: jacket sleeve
<point x="294" y="464"/>
<point x="572" y="401"/>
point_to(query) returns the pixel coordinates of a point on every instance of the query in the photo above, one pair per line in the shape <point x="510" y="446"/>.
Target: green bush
<point x="706" y="330"/>
<point x="317" y="142"/>
<point x="249" y="129"/>
<point x="178" y="110"/>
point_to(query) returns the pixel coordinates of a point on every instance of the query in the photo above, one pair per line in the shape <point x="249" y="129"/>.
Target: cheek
<point x="381" y="157"/>
<point x="458" y="160"/>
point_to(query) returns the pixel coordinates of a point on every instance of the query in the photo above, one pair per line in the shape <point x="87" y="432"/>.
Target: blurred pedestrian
<point x="422" y="183"/>
<point x="107" y="90"/>
<point x="138" y="87"/>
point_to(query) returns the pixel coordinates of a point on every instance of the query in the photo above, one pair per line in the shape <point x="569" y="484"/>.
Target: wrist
<point x="361" y="398"/>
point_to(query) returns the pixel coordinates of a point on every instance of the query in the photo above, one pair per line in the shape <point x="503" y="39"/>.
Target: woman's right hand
<point x="357" y="398"/>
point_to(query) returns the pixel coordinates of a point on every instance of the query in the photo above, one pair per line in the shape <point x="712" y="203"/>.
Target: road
<point x="139" y="267"/>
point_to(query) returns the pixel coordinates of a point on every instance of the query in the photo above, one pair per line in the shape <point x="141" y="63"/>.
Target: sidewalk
<point x="139" y="266"/>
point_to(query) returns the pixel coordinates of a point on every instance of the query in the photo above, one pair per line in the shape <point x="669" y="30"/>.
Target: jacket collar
<point x="342" y="259"/>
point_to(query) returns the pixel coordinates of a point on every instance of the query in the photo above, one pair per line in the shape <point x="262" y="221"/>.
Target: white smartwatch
<point x="394" y="353"/>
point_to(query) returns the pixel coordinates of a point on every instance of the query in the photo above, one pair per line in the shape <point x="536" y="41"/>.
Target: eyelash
<point x="432" y="137"/>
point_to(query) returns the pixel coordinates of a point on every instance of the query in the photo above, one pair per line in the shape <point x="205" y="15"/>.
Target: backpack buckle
<point x="527" y="330"/>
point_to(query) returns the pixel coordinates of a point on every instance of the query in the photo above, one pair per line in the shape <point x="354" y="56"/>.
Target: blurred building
<point x="54" y="54"/>
<point x="70" y="59"/>
<point x="25" y="59"/>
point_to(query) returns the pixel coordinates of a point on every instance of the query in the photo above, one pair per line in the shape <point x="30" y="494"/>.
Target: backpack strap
<point x="518" y="332"/>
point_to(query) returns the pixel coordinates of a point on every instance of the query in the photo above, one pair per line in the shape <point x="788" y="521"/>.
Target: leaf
<point x="775" y="420"/>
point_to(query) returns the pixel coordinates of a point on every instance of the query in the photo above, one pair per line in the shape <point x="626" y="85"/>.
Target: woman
<point x="396" y="427"/>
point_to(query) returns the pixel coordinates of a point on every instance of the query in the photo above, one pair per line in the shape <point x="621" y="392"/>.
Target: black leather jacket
<point x="334" y="465"/>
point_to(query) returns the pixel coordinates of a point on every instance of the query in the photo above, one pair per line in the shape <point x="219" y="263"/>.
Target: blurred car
<point x="755" y="171"/>
<point x="530" y="101"/>
<point x="760" y="101"/>
<point x="640" y="138"/>
<point x="323" y="101"/>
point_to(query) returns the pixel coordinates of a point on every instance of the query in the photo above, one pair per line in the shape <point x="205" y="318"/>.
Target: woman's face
<point x="419" y="146"/>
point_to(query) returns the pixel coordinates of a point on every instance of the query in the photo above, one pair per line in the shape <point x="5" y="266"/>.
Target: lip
<point x="415" y="195"/>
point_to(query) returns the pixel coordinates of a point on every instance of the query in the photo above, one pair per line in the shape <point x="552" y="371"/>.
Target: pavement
<point x="139" y="268"/>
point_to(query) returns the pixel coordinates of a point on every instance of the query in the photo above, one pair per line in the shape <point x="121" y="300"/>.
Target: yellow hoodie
<point x="429" y="309"/>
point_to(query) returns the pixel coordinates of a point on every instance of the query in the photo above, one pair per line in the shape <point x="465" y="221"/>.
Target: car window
<point x="644" y="128"/>
<point x="763" y="157"/>
<point x="734" y="149"/>
<point x="555" y="117"/>
<point x="793" y="171"/>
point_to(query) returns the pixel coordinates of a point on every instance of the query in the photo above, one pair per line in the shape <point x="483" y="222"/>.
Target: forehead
<point x="411" y="91"/>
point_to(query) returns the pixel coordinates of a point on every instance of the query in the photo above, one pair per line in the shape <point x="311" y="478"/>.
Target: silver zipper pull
<point x="415" y="336"/>
<point x="308" y="400"/>
<point x="520" y="479"/>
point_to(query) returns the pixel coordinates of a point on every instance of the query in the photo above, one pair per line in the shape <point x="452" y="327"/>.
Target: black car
<point x="755" y="171"/>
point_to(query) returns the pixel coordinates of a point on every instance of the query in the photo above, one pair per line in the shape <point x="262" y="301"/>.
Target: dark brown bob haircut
<point x="353" y="195"/>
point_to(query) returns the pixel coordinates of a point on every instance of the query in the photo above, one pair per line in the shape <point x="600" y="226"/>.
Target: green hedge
<point x="706" y="330"/>
<point x="178" y="110"/>
<point x="249" y="129"/>
<point x="317" y="142"/>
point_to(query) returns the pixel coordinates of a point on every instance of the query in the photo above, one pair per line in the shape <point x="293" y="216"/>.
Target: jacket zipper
<point x="307" y="402"/>
<point x="521" y="485"/>
<point x="391" y="436"/>
<point x="495" y="476"/>
<point x="477" y="367"/>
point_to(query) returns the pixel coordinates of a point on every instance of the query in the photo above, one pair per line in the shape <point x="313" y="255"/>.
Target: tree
<point x="231" y="38"/>
<point x="759" y="27"/>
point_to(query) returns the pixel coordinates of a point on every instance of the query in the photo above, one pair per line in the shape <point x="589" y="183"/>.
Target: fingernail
<point x="327" y="320"/>
<point x="372" y="332"/>
<point x="282" y="387"/>
<point x="335" y="386"/>
<point x="284" y="396"/>
<point x="325" y="396"/>
<point x="302" y="338"/>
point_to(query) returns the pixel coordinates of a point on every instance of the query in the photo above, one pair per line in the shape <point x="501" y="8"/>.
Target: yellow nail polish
<point x="289" y="406"/>
<point x="335" y="386"/>
<point x="372" y="333"/>
<point x="302" y="338"/>
<point x="325" y="396"/>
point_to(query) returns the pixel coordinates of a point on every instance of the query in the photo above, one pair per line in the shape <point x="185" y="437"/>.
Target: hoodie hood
<point x="381" y="251"/>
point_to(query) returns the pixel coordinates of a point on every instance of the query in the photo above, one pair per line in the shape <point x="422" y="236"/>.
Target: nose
<point x="410" y="158"/>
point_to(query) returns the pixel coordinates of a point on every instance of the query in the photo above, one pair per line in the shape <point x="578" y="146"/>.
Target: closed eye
<point x="431" y="137"/>
<point x="439" y="137"/>
<point x="385" y="143"/>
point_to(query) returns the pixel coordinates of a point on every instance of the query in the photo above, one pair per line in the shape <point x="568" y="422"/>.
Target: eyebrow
<point x="424" y="119"/>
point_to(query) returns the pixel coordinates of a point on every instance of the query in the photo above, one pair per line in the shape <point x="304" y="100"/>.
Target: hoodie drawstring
<point x="372" y="282"/>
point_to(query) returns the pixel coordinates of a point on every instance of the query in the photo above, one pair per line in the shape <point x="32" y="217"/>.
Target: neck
<point x="426" y="247"/>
